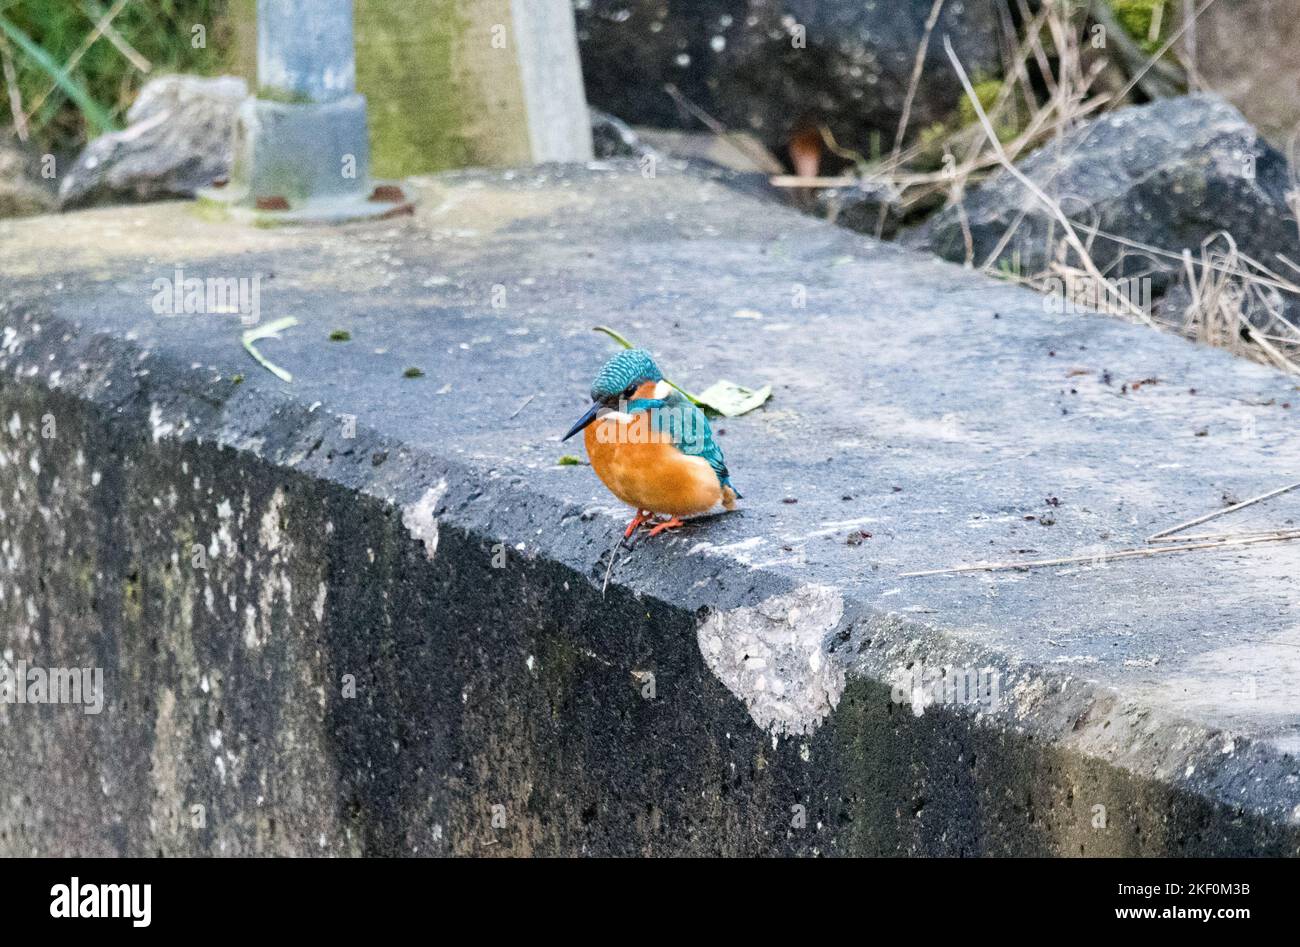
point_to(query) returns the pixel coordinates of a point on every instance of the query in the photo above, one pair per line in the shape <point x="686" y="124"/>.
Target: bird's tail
<point x="730" y="494"/>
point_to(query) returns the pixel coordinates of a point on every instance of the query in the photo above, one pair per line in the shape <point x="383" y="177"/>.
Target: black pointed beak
<point x="584" y="420"/>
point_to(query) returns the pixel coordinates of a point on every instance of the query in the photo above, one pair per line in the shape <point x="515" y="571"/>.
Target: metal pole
<point x="302" y="149"/>
<point x="305" y="49"/>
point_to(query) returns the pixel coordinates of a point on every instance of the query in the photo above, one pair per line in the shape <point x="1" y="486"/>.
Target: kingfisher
<point x="651" y="446"/>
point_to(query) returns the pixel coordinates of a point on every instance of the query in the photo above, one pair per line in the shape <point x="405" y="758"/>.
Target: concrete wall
<point x="496" y="711"/>
<point x="445" y="560"/>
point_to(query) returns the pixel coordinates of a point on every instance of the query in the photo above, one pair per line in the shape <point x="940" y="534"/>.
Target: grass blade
<point x="95" y="114"/>
<point x="269" y="331"/>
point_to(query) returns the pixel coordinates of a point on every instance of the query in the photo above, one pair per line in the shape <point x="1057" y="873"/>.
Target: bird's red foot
<point x="672" y="523"/>
<point x="641" y="517"/>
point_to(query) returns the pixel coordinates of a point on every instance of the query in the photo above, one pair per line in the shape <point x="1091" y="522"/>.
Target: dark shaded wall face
<point x="773" y="67"/>
<point x="319" y="685"/>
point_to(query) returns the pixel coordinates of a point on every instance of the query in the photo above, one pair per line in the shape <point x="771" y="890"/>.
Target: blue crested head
<point x="623" y="374"/>
<point x="618" y="381"/>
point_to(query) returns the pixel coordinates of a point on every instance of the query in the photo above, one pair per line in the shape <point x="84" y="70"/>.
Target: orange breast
<point x="645" y="470"/>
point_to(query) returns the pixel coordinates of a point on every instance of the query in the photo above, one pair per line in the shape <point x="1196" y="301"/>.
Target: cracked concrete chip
<point x="773" y="657"/>
<point x="419" y="518"/>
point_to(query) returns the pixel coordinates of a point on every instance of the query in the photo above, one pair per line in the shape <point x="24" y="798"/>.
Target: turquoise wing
<point x="688" y="427"/>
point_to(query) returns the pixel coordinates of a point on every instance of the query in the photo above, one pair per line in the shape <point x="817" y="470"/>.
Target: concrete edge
<point x="857" y="640"/>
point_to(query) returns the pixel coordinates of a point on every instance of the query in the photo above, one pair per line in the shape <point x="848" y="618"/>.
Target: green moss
<point x="132" y="597"/>
<point x="213" y="211"/>
<point x="414" y="112"/>
<point x="987" y="92"/>
<point x="238" y="51"/>
<point x="284" y="179"/>
<point x="340" y="335"/>
<point x="1009" y="268"/>
<point x="456" y="102"/>
<point x="1007" y="125"/>
<point x="568" y="460"/>
<point x="414" y="372"/>
<point x="287" y="96"/>
<point x="932" y="140"/>
<point x="1138" y="17"/>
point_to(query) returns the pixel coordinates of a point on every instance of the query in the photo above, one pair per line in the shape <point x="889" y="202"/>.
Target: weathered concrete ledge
<point x="240" y="566"/>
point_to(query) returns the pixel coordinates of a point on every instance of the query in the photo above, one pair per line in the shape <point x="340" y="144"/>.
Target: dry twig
<point x="1223" y="512"/>
<point x="11" y="85"/>
<point x="80" y="51"/>
<point x="918" y="66"/>
<point x="1140" y="552"/>
<point x="1070" y="235"/>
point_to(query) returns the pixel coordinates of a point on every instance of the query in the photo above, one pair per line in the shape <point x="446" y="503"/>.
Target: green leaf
<point x="95" y="114"/>
<point x="729" y="399"/>
<point x="269" y="331"/>
<point x="568" y="460"/>
<point x="613" y="335"/>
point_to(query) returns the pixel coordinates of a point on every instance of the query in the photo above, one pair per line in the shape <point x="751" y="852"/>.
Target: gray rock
<point x="612" y="138"/>
<point x="738" y="61"/>
<point x="1169" y="174"/>
<point x="735" y="159"/>
<point x="732" y="159"/>
<point x="1261" y="76"/>
<point x="22" y="192"/>
<point x="858" y="207"/>
<point x="178" y="140"/>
